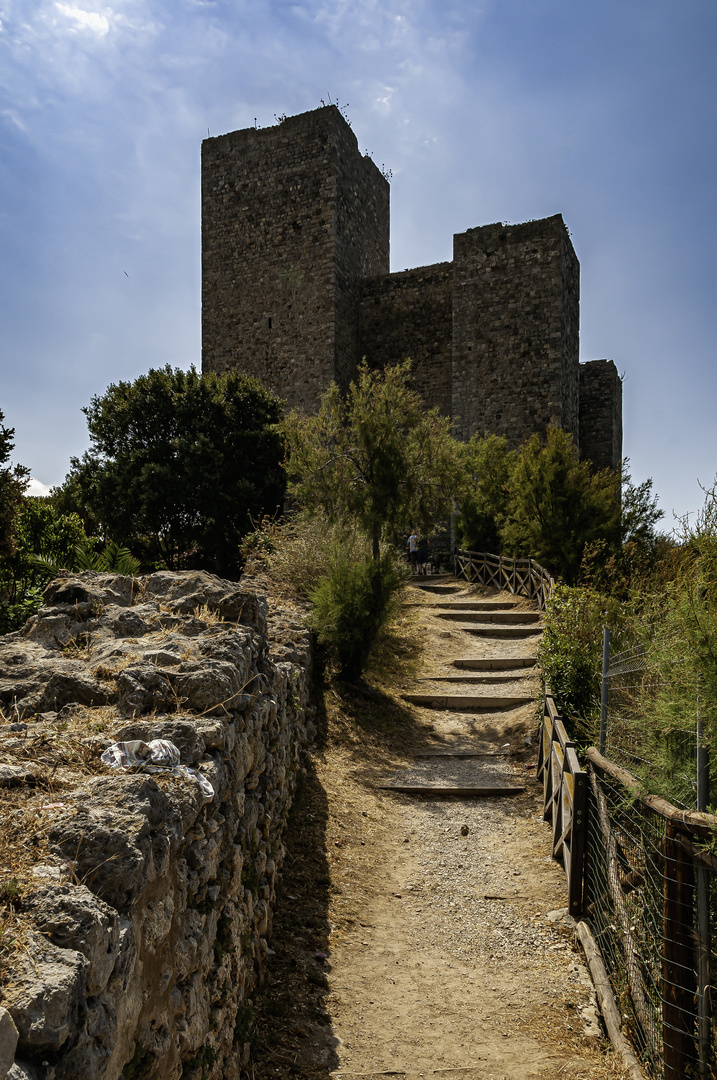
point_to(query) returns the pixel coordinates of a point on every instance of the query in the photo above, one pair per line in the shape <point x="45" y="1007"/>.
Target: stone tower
<point x="293" y="218"/>
<point x="296" y="289"/>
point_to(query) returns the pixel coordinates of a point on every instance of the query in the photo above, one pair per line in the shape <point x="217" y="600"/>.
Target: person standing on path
<point x="422" y="556"/>
<point x="413" y="549"/>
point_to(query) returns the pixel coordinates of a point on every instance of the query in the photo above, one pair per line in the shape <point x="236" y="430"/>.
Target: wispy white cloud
<point x="51" y="47"/>
<point x="94" y="21"/>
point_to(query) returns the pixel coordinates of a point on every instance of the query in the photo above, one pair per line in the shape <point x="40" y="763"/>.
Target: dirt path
<point x="423" y="937"/>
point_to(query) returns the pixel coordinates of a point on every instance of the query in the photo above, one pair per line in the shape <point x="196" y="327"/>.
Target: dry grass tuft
<point x="296" y="552"/>
<point x="27" y="814"/>
<point x="14" y="926"/>
<point x="396" y="656"/>
<point x="208" y="615"/>
<point x="79" y="647"/>
<point x="109" y="672"/>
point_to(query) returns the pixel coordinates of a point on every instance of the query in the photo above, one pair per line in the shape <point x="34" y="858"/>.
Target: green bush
<point x="678" y="626"/>
<point x="13" y="481"/>
<point x="180" y="463"/>
<point x="352" y="604"/>
<point x="570" y="653"/>
<point x="557" y="505"/>
<point x="44" y="540"/>
<point x="483" y="506"/>
<point x="297" y="551"/>
<point x="15" y="615"/>
<point x="375" y="457"/>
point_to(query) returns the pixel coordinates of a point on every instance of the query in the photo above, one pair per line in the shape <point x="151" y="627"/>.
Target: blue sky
<point x="502" y="110"/>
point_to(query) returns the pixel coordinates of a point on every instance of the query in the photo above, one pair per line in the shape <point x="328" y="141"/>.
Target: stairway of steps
<point x="472" y="691"/>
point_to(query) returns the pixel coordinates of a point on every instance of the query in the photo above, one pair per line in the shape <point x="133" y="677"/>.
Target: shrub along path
<point x="421" y="936"/>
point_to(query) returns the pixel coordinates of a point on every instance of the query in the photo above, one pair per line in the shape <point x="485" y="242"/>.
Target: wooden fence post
<point x="678" y="977"/>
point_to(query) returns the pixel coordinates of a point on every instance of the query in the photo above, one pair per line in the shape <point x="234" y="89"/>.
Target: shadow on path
<point x="292" y="1033"/>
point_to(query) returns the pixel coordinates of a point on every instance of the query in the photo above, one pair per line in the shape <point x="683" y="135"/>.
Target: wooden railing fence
<point x="524" y="577"/>
<point x="642" y="874"/>
<point x="564" y="799"/>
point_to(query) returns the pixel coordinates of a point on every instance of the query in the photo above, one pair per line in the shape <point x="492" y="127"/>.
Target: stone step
<point x="442" y="790"/>
<point x="494" y="663"/>
<point x="463" y="754"/>
<point x="503" y="631"/>
<point x="462" y="605"/>
<point x="440" y="590"/>
<point x="478" y="679"/>
<point x="503" y="618"/>
<point x="467" y="702"/>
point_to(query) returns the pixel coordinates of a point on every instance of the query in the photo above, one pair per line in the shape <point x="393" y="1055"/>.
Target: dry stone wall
<point x="148" y="908"/>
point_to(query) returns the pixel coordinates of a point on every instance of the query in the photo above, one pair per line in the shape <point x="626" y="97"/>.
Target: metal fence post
<point x="703" y="766"/>
<point x="603" y="696"/>
<point x="703" y="914"/>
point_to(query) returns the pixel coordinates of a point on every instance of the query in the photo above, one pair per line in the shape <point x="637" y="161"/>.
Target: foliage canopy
<point x="44" y="540"/>
<point x="13" y="481"/>
<point x="483" y="507"/>
<point x="558" y="504"/>
<point x="375" y="457"/>
<point x="543" y="500"/>
<point x="181" y="462"/>
<point x="667" y="681"/>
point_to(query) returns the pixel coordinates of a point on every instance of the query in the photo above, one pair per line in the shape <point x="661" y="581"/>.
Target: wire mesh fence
<point x="666" y="755"/>
<point x="650" y="896"/>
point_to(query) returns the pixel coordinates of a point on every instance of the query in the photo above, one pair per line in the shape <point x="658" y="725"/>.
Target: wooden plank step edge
<point x="467" y="701"/>
<point x="435" y="789"/>
<point x="478" y="615"/>
<point x="494" y="663"/>
<point x="463" y="754"/>
<point x="477" y="680"/>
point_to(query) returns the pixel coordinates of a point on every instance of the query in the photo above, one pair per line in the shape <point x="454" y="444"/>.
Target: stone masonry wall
<point x="149" y="907"/>
<point x="361" y="239"/>
<point x="292" y="217"/>
<point x="411" y="315"/>
<point x="601" y="414"/>
<point x="515" y="320"/>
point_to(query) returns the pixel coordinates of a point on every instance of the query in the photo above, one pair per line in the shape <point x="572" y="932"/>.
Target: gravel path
<point x="449" y="950"/>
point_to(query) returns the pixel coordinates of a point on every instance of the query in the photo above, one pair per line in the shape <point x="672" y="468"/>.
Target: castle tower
<point x="296" y="289"/>
<point x="293" y="218"/>
<point x="516" y="295"/>
<point x="601" y="413"/>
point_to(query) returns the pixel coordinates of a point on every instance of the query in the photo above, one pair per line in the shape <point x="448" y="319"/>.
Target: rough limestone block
<point x="44" y="1000"/>
<point x="8" y="1042"/>
<point x="73" y="918"/>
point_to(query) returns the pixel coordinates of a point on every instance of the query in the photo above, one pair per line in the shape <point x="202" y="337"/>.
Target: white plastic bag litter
<point x="159" y="755"/>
